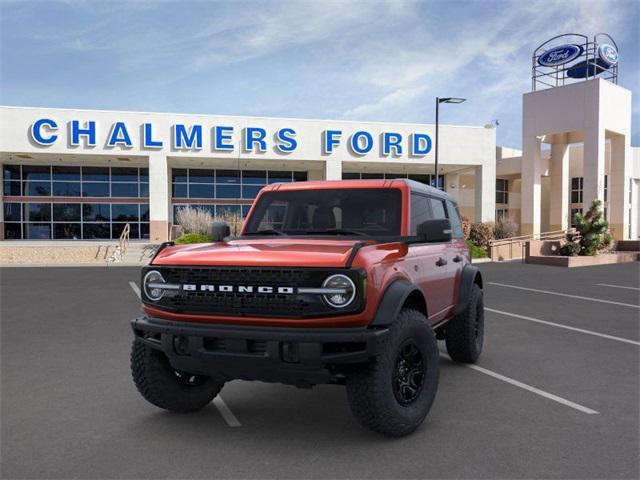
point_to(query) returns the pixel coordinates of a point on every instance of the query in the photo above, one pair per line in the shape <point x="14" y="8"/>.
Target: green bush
<point x="192" y="238"/>
<point x="476" y="252"/>
<point x="592" y="233"/>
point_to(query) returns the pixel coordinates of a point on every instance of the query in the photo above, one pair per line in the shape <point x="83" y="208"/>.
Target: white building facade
<point x="85" y="174"/>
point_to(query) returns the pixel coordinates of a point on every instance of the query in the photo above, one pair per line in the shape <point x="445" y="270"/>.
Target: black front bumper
<point x="297" y="356"/>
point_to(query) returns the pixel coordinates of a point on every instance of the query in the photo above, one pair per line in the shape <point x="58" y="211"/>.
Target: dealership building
<point x="86" y="174"/>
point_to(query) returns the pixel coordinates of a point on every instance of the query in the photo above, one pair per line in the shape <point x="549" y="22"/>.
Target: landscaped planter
<point x="586" y="261"/>
<point x="547" y="253"/>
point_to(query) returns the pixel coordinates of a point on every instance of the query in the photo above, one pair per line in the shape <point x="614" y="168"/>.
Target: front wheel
<point x="163" y="386"/>
<point x="393" y="394"/>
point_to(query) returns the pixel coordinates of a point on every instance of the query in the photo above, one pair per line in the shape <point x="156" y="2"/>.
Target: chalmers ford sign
<point x="46" y="132"/>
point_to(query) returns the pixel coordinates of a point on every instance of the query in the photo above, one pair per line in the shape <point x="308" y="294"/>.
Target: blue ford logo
<point x="608" y="54"/>
<point x="560" y="55"/>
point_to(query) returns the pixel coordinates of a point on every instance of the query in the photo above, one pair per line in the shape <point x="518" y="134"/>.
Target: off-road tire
<point x="371" y="389"/>
<point x="464" y="334"/>
<point x="160" y="384"/>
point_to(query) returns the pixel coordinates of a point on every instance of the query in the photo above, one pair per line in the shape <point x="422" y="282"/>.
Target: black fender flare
<point x="392" y="300"/>
<point x="470" y="275"/>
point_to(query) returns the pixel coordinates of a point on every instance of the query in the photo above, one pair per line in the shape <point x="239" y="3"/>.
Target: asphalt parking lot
<point x="555" y="393"/>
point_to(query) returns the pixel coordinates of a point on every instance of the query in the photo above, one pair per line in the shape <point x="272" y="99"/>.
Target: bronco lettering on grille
<point x="192" y="287"/>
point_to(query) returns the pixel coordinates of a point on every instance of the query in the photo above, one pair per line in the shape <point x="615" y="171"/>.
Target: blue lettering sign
<point x="253" y="136"/>
<point x="222" y="136"/>
<point x="187" y="139"/>
<point x="119" y="136"/>
<point x="421" y="144"/>
<point x="89" y="132"/>
<point x="331" y="140"/>
<point x="37" y="134"/>
<point x="357" y="146"/>
<point x="147" y="138"/>
<point x="285" y="140"/>
<point x="392" y="140"/>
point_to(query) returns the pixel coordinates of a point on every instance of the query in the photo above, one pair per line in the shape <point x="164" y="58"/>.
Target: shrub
<point x="476" y="252"/>
<point x="481" y="234"/>
<point x="194" y="220"/>
<point x="234" y="220"/>
<point x="505" y="228"/>
<point x="466" y="227"/>
<point x="192" y="238"/>
<point x="592" y="233"/>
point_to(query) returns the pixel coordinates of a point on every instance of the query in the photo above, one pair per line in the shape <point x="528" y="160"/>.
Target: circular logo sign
<point x="560" y="55"/>
<point x="608" y="54"/>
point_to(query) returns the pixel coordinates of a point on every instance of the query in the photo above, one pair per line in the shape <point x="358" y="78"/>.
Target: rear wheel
<point x="394" y="393"/>
<point x="163" y="386"/>
<point x="464" y="334"/>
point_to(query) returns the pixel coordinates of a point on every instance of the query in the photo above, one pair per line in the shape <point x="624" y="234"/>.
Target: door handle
<point x="441" y="262"/>
<point x="457" y="259"/>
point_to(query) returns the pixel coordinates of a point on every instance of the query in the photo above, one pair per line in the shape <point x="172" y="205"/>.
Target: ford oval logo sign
<point x="608" y="54"/>
<point x="560" y="55"/>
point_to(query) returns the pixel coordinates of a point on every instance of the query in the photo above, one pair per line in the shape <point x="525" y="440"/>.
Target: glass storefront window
<point x="67" y="231"/>
<point x="12" y="212"/>
<point x="129" y="190"/>
<point x="12" y="231"/>
<point x="36" y="172"/>
<point x="124" y="212"/>
<point x="66" y="189"/>
<point x="197" y="190"/>
<point x="95" y="174"/>
<point x="37" y="231"/>
<point x="66" y="212"/>
<point x="254" y="177"/>
<point x="37" y="212"/>
<point x="66" y="173"/>
<point x="12" y="188"/>
<point x="37" y="189"/>
<point x="96" y="231"/>
<point x="93" y="189"/>
<point x="227" y="176"/>
<point x="96" y="212"/>
<point x="11" y="172"/>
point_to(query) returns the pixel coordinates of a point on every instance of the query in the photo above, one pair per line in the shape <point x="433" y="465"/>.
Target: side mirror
<point x="438" y="230"/>
<point x="219" y="231"/>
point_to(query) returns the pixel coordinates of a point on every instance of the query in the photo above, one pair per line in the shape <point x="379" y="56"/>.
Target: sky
<point x="343" y="60"/>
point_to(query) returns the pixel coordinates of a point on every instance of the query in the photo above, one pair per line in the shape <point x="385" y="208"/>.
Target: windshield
<point x="368" y="212"/>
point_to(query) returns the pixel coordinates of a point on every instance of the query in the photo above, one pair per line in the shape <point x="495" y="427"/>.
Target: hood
<point x="270" y="252"/>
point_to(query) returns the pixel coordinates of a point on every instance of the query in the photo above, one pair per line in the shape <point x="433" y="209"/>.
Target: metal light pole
<point x="438" y="102"/>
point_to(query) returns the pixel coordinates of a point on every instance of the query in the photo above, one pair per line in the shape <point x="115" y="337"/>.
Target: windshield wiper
<point x="266" y="231"/>
<point x="337" y="231"/>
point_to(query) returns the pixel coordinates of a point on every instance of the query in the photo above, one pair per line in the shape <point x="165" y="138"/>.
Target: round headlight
<point x="150" y="284"/>
<point x="344" y="291"/>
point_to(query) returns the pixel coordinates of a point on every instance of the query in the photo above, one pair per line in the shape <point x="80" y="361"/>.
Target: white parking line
<point x="529" y="388"/>
<point x="226" y="413"/>
<point x="581" y="330"/>
<point x="565" y="295"/>
<point x="222" y="407"/>
<point x="135" y="288"/>
<point x="616" y="286"/>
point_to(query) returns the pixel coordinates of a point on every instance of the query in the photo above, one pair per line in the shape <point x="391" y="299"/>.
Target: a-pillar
<point x="159" y="198"/>
<point x="531" y="185"/>
<point x="593" y="166"/>
<point x="559" y="169"/>
<point x="485" y="192"/>
<point x="618" y="188"/>
<point x="333" y="169"/>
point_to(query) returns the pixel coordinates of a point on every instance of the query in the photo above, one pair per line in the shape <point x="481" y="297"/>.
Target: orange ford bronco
<point x="344" y="282"/>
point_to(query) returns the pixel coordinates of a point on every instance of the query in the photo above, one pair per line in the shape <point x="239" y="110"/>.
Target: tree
<point x="591" y="235"/>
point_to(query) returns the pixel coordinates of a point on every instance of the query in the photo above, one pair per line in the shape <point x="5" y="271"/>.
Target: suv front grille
<point x="250" y="304"/>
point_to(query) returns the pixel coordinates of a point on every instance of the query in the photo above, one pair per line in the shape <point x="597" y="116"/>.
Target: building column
<point x="593" y="166"/>
<point x="159" y="198"/>
<point x="559" y="202"/>
<point x="485" y="192"/>
<point x="333" y="169"/>
<point x="619" y="186"/>
<point x="531" y="186"/>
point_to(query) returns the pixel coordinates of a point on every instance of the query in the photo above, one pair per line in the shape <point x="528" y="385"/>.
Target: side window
<point x="456" y="223"/>
<point x="437" y="207"/>
<point x="420" y="211"/>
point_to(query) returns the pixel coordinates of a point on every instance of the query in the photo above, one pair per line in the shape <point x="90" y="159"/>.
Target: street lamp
<point x="438" y="102"/>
